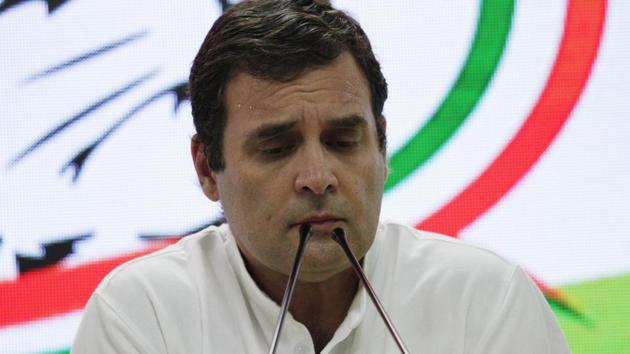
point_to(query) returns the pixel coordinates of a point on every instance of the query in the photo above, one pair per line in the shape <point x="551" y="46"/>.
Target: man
<point x="287" y="99"/>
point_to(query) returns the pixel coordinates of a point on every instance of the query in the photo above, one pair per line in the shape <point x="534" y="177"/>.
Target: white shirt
<point x="443" y="296"/>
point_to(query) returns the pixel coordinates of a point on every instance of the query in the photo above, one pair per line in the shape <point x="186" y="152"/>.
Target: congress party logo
<point x="92" y="111"/>
<point x="94" y="161"/>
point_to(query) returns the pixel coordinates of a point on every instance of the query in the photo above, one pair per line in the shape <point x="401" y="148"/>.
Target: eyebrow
<point x="350" y="121"/>
<point x="269" y="130"/>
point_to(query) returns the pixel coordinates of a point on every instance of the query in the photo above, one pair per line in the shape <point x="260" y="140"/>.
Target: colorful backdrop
<point x="508" y="126"/>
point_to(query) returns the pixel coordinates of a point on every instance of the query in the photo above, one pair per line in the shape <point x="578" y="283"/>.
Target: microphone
<point x="339" y="235"/>
<point x="305" y="235"/>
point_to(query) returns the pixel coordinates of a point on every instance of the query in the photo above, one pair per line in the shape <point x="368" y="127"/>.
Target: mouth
<point x="320" y="222"/>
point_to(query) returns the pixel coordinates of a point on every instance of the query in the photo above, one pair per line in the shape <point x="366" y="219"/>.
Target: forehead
<point x="337" y="89"/>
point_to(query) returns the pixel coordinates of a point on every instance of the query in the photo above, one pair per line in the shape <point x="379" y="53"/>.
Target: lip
<point x="319" y="221"/>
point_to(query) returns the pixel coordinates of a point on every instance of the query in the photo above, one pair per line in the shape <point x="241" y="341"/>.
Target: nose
<point x="316" y="173"/>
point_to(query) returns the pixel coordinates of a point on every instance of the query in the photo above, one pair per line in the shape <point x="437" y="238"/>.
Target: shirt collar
<point x="265" y="311"/>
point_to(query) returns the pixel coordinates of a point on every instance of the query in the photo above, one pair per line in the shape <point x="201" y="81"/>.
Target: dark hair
<point x="276" y="40"/>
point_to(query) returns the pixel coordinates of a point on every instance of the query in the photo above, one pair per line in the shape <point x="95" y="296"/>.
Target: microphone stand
<point x="339" y="235"/>
<point x="305" y="235"/>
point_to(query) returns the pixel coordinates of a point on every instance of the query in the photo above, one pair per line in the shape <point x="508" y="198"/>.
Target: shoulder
<point x="440" y="261"/>
<point x="155" y="301"/>
<point x="171" y="266"/>
<point x="470" y="292"/>
<point x="441" y="250"/>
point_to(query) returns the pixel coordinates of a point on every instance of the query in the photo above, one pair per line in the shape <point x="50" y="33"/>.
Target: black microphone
<point x="339" y="235"/>
<point x="305" y="235"/>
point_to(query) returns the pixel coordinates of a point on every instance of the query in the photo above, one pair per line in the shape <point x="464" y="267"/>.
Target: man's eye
<point x="278" y="150"/>
<point x="342" y="145"/>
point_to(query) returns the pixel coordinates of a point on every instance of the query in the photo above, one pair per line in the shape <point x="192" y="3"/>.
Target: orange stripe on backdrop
<point x="57" y="289"/>
<point x="583" y="27"/>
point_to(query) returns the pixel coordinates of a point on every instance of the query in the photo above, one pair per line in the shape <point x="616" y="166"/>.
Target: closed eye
<point x="277" y="151"/>
<point x="343" y="145"/>
<point x="278" y="146"/>
<point x="343" y="139"/>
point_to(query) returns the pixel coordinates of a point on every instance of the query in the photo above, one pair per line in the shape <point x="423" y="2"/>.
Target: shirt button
<point x="301" y="349"/>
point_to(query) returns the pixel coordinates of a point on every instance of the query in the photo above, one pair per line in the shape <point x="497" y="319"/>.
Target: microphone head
<point x="305" y="230"/>
<point x="338" y="233"/>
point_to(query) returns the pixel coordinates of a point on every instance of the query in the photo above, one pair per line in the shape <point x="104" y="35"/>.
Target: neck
<point x="320" y="306"/>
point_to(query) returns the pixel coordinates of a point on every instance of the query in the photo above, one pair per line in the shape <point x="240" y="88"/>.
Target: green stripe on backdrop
<point x="605" y="303"/>
<point x="493" y="26"/>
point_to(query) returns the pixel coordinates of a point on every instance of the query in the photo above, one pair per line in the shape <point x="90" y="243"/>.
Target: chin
<point x="321" y="275"/>
<point x="321" y="266"/>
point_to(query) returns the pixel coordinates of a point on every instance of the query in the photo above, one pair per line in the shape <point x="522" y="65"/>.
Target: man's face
<point x="303" y="151"/>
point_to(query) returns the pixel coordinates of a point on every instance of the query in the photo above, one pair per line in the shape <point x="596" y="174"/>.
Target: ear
<point x="381" y="122"/>
<point x="207" y="177"/>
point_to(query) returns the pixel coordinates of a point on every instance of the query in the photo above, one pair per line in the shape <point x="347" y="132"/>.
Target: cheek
<point x="374" y="185"/>
<point x="373" y="176"/>
<point x="248" y="199"/>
